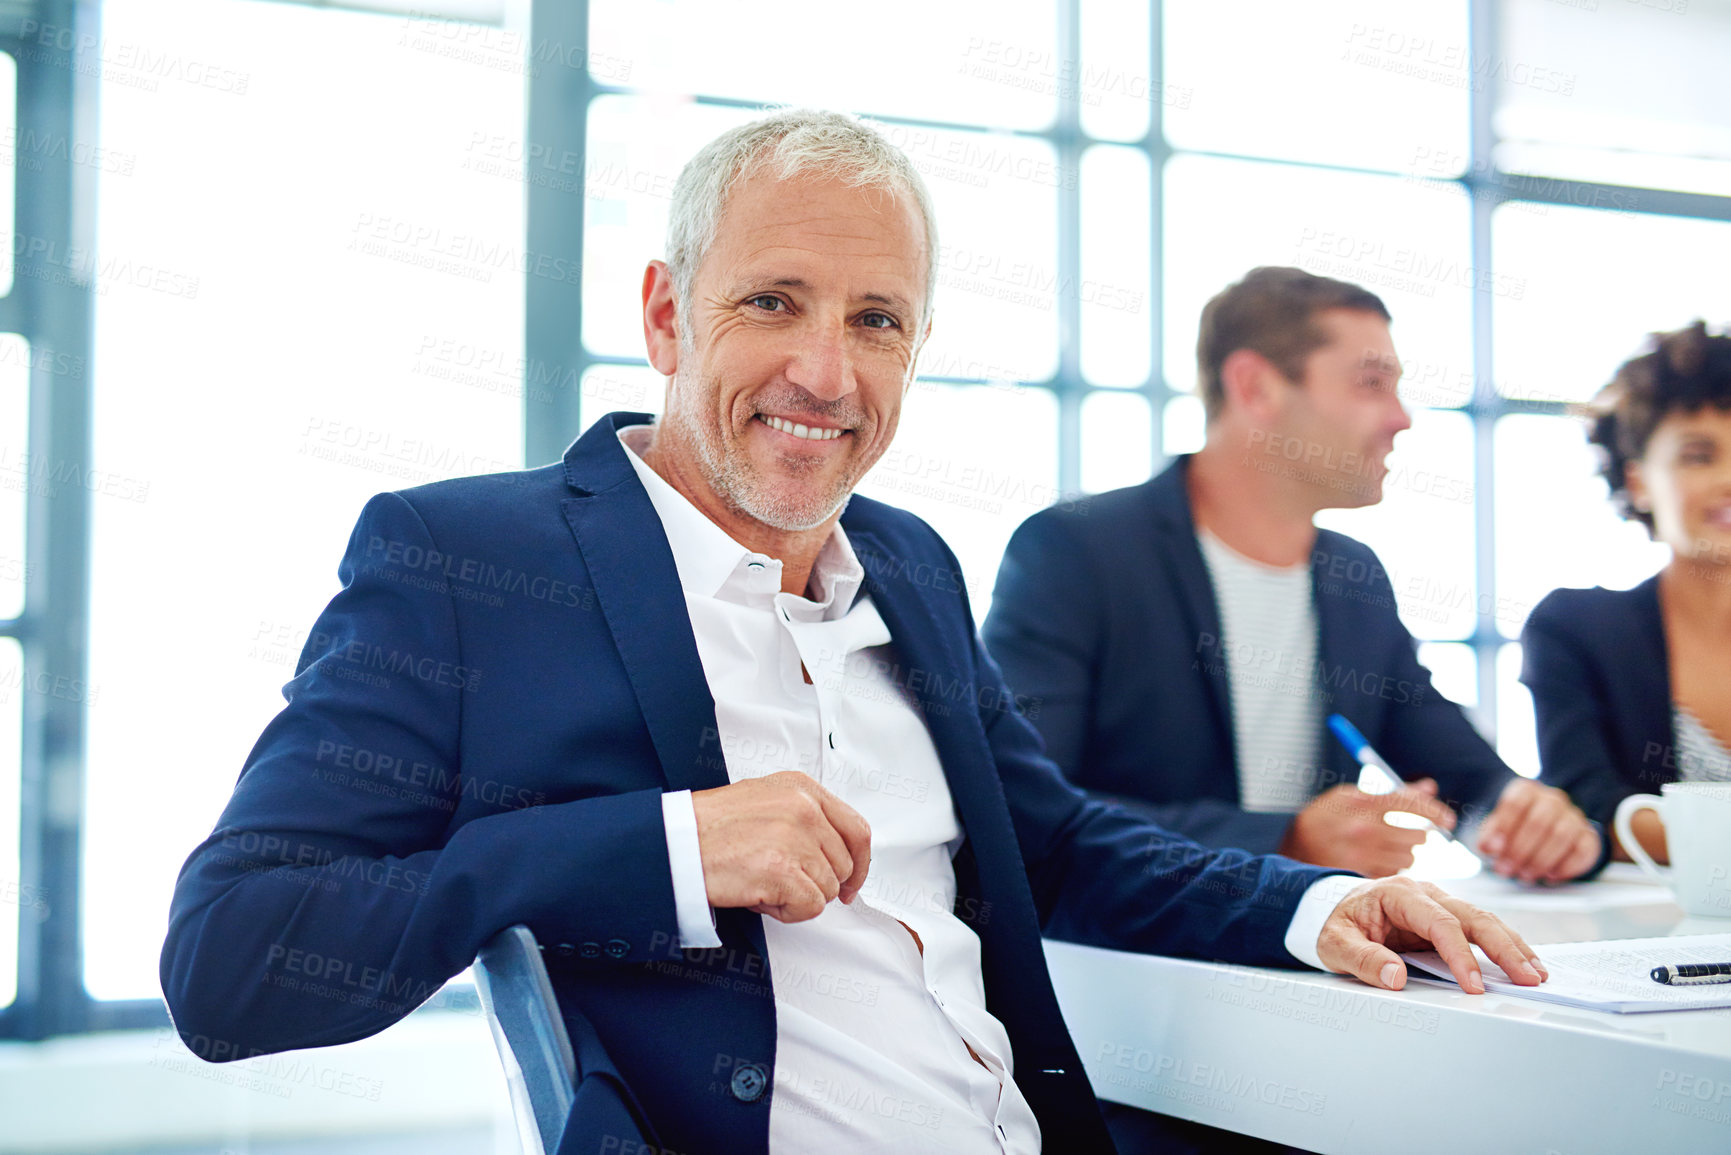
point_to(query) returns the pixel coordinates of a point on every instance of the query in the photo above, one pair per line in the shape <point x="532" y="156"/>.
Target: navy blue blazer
<point x="479" y="732"/>
<point x="1104" y="615"/>
<point x="1597" y="665"/>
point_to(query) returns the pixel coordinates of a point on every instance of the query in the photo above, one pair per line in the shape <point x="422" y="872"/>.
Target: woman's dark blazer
<point x="1596" y="663"/>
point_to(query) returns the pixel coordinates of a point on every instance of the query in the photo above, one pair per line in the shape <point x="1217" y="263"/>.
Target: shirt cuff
<point x="685" y="860"/>
<point x="1313" y="910"/>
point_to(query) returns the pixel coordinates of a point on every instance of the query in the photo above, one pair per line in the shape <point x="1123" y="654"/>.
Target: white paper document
<point x="1615" y="975"/>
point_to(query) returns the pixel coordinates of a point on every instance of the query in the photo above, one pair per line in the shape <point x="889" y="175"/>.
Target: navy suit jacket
<point x="1105" y="618"/>
<point x="478" y="734"/>
<point x="1596" y="663"/>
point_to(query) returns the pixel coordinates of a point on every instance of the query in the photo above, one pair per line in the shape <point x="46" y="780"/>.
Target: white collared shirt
<point x="872" y="1034"/>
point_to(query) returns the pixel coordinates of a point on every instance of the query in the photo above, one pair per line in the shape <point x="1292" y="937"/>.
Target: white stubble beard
<point x="734" y="479"/>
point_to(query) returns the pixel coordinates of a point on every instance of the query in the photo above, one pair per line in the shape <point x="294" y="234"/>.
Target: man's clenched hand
<point x="780" y="845"/>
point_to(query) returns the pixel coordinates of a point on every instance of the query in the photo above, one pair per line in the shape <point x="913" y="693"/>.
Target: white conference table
<point x="1328" y="1064"/>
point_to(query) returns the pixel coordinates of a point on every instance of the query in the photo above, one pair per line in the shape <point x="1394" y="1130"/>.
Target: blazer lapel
<point x="1178" y="551"/>
<point x="1649" y="696"/>
<point x="637" y="589"/>
<point x="1338" y="766"/>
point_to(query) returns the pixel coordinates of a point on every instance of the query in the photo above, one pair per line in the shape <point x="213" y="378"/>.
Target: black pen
<point x="1693" y="974"/>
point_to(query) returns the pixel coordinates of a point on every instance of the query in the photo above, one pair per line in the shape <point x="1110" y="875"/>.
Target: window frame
<point x="54" y="199"/>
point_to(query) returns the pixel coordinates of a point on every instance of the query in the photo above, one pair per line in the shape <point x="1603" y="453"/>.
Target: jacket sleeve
<point x="318" y="912"/>
<point x="1431" y="736"/>
<point x="1210" y="821"/>
<point x="1423" y="734"/>
<point x="1046" y="629"/>
<point x="1576" y="748"/>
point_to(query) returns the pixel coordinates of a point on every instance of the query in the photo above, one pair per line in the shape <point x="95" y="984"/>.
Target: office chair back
<point x="540" y="1067"/>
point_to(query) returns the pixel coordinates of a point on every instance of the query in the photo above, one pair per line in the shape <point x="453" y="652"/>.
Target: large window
<point x="338" y="310"/>
<point x="321" y="269"/>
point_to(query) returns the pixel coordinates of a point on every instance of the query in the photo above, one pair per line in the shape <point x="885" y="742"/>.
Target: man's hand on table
<point x="1536" y="834"/>
<point x="1374" y="923"/>
<point x="1344" y="827"/>
<point x="780" y="845"/>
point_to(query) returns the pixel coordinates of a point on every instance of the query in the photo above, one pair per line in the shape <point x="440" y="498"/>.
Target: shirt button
<point x="832" y="739"/>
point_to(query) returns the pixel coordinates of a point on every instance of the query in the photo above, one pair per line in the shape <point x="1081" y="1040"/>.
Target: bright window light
<point x="341" y="284"/>
<point x="1377" y="84"/>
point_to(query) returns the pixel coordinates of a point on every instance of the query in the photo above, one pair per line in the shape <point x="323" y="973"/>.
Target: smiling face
<point x="803" y="335"/>
<point x="1684" y="480"/>
<point x="1346" y="412"/>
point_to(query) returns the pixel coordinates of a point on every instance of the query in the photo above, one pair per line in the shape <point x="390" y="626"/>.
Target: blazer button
<point x="565" y="950"/>
<point x="617" y="948"/>
<point x="589" y="950"/>
<point x="749" y="1082"/>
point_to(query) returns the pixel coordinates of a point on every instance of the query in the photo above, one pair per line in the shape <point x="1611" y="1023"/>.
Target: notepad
<point x="1614" y="975"/>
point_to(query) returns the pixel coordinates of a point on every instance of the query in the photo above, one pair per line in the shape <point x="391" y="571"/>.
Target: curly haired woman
<point x="1632" y="688"/>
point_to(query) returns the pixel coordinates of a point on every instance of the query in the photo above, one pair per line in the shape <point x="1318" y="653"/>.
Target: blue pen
<point x="1361" y="749"/>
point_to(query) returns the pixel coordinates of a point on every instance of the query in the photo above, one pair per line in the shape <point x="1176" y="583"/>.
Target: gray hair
<point x="793" y="142"/>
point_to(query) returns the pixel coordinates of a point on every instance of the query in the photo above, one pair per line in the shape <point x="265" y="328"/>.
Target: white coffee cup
<point x="1697" y="818"/>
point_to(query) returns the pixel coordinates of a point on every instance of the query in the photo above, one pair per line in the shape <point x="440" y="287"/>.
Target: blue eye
<point x="871" y="321"/>
<point x="768" y="302"/>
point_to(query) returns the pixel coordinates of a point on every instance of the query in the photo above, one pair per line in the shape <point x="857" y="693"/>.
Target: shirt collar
<point x="712" y="564"/>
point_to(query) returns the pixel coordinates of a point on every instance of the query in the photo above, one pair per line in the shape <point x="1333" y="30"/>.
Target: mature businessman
<point x="735" y="755"/>
<point x="1188" y="637"/>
